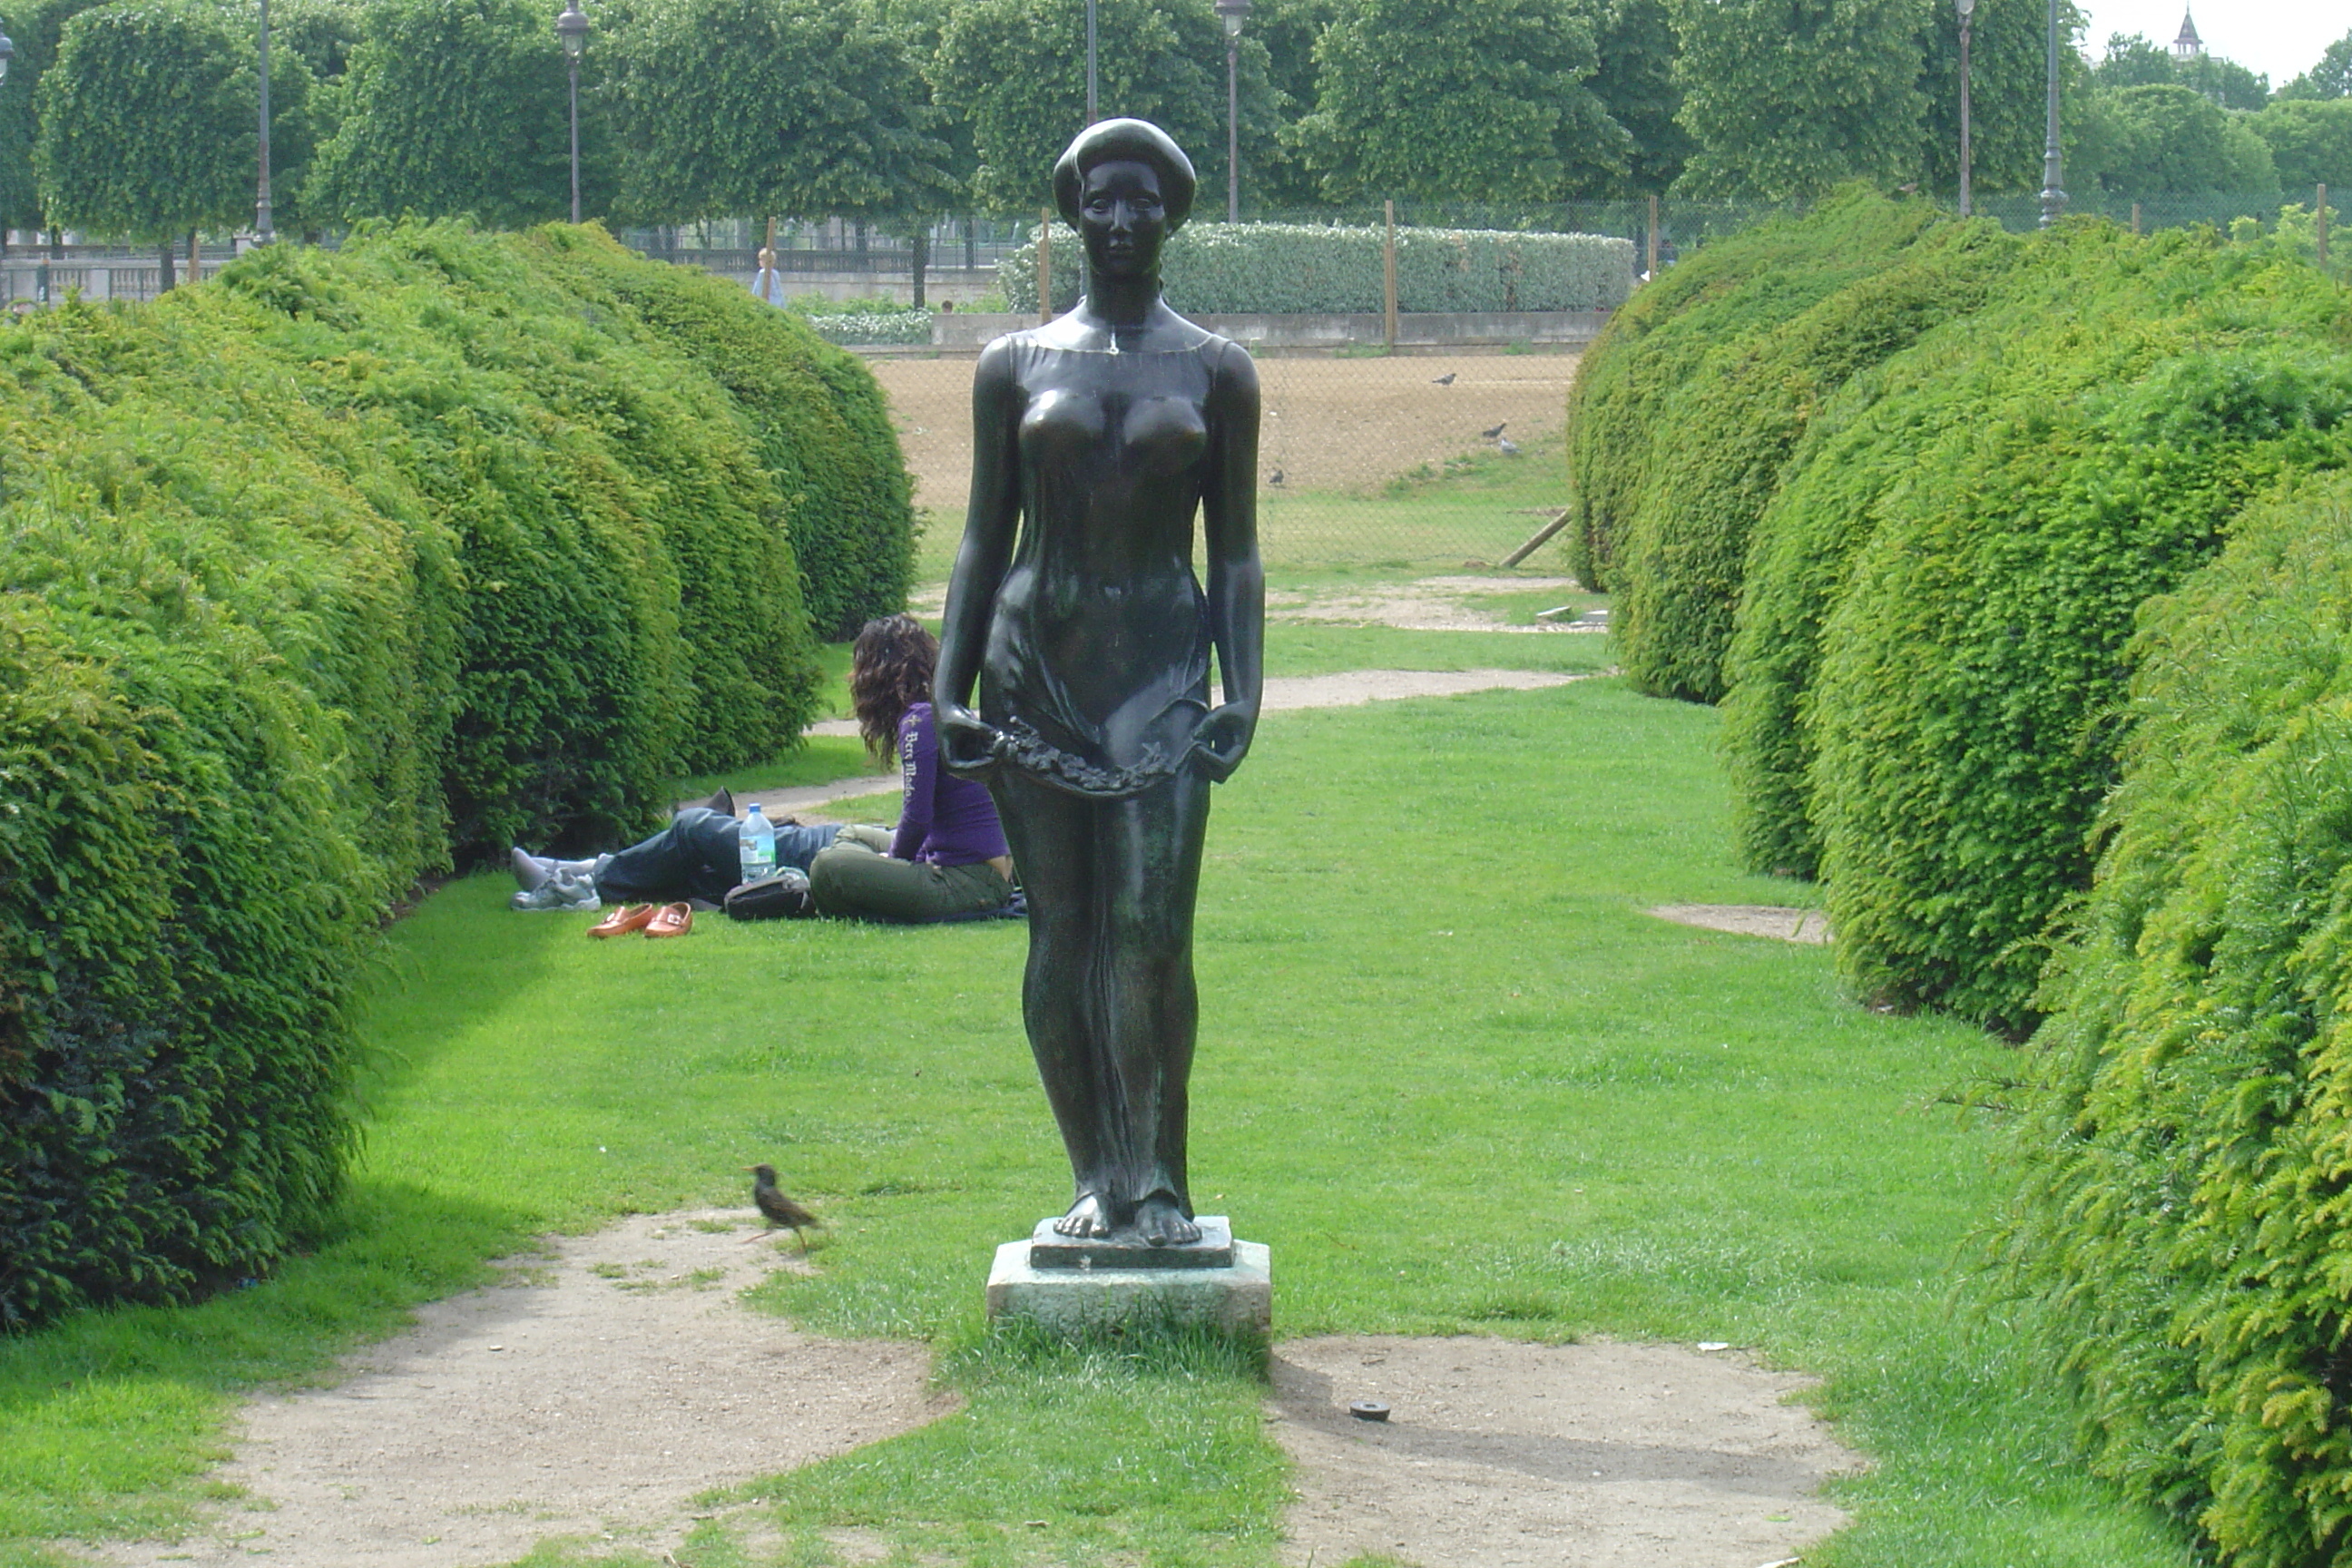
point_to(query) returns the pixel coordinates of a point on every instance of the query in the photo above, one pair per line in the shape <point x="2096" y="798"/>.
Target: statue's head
<point x="1125" y="185"/>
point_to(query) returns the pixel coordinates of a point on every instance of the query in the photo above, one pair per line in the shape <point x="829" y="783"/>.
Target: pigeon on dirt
<point x="1445" y="380"/>
<point x="1496" y="434"/>
<point x="777" y="1208"/>
<point x="1504" y="444"/>
<point x="1275" y="478"/>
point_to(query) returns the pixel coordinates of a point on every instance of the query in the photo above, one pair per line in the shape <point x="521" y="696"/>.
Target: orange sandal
<point x="622" y="921"/>
<point x="671" y="919"/>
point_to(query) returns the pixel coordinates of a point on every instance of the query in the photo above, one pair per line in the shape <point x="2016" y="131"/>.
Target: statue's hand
<point x="966" y="741"/>
<point x="1222" y="739"/>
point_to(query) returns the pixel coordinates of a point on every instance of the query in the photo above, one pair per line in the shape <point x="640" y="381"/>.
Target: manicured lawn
<point x="1448" y="1070"/>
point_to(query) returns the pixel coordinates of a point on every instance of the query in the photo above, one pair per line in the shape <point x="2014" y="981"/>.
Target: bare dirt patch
<point x="592" y="1396"/>
<point x="1329" y="424"/>
<point x="1809" y="926"/>
<point x="1430" y="604"/>
<point x="1498" y="1454"/>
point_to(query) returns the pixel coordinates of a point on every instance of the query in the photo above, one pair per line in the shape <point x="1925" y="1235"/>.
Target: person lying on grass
<point x="946" y="860"/>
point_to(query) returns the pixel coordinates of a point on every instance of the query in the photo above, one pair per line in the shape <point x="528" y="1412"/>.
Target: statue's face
<point x="1120" y="214"/>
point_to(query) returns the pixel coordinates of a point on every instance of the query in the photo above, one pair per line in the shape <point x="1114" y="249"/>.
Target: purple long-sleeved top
<point x="942" y="820"/>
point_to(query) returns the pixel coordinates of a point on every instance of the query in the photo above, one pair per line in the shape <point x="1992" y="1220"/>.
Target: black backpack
<point x="783" y="896"/>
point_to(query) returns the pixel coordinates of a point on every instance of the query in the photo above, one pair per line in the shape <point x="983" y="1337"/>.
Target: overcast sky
<point x="2280" y="38"/>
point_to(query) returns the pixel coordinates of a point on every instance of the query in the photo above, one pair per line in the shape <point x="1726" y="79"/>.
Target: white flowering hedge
<point x="873" y="327"/>
<point x="1285" y="269"/>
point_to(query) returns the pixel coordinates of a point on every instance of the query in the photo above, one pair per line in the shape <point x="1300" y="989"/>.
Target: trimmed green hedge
<point x="1285" y="268"/>
<point x="318" y="579"/>
<point x="2101" y="424"/>
<point x="1721" y="440"/>
<point x="818" y="419"/>
<point x="1705" y="306"/>
<point x="2183" y="1208"/>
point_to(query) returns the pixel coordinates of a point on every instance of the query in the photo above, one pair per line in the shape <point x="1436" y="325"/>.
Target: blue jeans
<point x="697" y="856"/>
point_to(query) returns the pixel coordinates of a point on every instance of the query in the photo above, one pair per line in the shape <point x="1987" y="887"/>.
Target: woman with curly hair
<point x="947" y="859"/>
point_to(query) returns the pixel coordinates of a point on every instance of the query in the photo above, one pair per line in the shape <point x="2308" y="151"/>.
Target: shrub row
<point x="1721" y="439"/>
<point x="874" y="326"/>
<point x="2183" y="1204"/>
<point x="2040" y="648"/>
<point x="326" y="576"/>
<point x="2019" y="482"/>
<point x="1214" y="269"/>
<point x="1706" y="306"/>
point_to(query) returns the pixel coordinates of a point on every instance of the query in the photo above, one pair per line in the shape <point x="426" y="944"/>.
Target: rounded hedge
<point x="1707" y="304"/>
<point x="2107" y="419"/>
<point x="332" y="573"/>
<point x="2183" y="1205"/>
<point x="1724" y="436"/>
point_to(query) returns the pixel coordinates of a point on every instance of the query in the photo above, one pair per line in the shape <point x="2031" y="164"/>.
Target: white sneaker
<point x="563" y="890"/>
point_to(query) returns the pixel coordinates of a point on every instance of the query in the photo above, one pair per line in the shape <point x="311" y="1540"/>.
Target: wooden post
<point x="1045" y="265"/>
<point x="1650" y="248"/>
<point x="2319" y="223"/>
<point x="1388" y="278"/>
<point x="2136" y="217"/>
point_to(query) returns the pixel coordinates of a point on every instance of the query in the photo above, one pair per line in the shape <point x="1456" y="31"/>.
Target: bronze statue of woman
<point x="1099" y="437"/>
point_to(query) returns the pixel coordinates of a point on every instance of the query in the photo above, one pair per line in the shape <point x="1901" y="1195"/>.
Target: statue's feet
<point x="1090" y="1217"/>
<point x="1161" y="1222"/>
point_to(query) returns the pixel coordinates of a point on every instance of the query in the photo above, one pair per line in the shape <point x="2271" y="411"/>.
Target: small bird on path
<point x="1445" y="380"/>
<point x="1275" y="478"/>
<point x="1496" y="433"/>
<point x="778" y="1208"/>
<point x="1504" y="444"/>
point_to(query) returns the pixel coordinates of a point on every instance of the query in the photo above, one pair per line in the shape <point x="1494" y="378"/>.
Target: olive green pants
<point x="854" y="877"/>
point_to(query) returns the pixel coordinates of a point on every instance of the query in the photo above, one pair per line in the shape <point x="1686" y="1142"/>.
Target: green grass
<point x="1478" y="507"/>
<point x="1448" y="1070"/>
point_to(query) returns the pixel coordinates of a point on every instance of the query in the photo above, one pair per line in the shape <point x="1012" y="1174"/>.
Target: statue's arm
<point x="1236" y="586"/>
<point x="990" y="523"/>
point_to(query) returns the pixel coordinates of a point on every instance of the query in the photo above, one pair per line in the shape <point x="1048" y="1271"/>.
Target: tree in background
<point x="1288" y="30"/>
<point x="2166" y="137"/>
<point x="1483" y="100"/>
<point x="2009" y="65"/>
<point x="1636" y="84"/>
<point x="729" y="106"/>
<point x="1015" y="70"/>
<point x="455" y="107"/>
<point x="2132" y="60"/>
<point x="2310" y="141"/>
<point x="32" y="27"/>
<point x="1786" y="98"/>
<point x="20" y="194"/>
<point x="2331" y="77"/>
<point x="148" y="121"/>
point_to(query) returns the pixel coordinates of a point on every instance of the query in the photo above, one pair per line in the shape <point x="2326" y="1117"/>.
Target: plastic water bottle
<point x="756" y="842"/>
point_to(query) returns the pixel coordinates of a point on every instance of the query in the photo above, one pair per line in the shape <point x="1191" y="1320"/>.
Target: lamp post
<point x="573" y="28"/>
<point x="1967" y="9"/>
<point x="1233" y="13"/>
<point x="1091" y="115"/>
<point x="2054" y="195"/>
<point x="264" y="230"/>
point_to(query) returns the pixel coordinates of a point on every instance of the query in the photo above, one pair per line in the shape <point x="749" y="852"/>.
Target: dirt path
<point x="1498" y="1454"/>
<point x="592" y="1395"/>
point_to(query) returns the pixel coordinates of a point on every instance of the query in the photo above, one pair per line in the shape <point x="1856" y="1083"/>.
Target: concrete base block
<point x="1238" y="1299"/>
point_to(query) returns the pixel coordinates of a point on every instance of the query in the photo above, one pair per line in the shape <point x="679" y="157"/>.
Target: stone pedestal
<point x="1068" y="1286"/>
